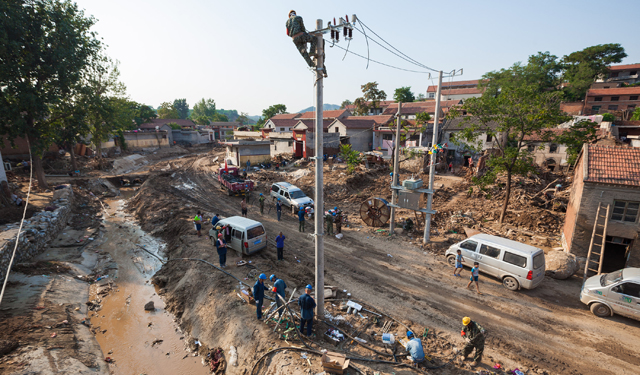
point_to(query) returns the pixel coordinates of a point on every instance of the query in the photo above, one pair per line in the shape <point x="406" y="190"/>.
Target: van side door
<point x="625" y="299"/>
<point x="468" y="250"/>
<point x="488" y="257"/>
<point x="236" y="239"/>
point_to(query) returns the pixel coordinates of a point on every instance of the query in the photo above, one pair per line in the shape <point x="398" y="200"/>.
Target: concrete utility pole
<point x="3" y="175"/>
<point x="319" y="198"/>
<point x="432" y="166"/>
<point x="396" y="167"/>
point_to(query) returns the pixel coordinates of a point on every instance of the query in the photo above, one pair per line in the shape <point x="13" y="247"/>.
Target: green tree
<point x="420" y="97"/>
<point x="404" y="95"/>
<point x="345" y="103"/>
<point x="243" y="118"/>
<point x="174" y="126"/>
<point x="370" y="100"/>
<point x="608" y="117"/>
<point x="45" y="47"/>
<point x="167" y="111"/>
<point x="581" y="68"/>
<point x="204" y="111"/>
<point x="519" y="109"/>
<point x="268" y="113"/>
<point x="144" y="113"/>
<point x="636" y="115"/>
<point x="541" y="73"/>
<point x="352" y="157"/>
<point x="181" y="107"/>
<point x="579" y="134"/>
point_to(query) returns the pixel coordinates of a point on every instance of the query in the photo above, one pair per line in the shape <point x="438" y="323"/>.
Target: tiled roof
<point x="285" y="116"/>
<point x="612" y="165"/>
<point x="461" y="84"/>
<point x="615" y="91"/>
<point x="381" y="104"/>
<point x="283" y="122"/>
<point x="161" y="121"/>
<point x="465" y="91"/>
<point x="378" y="119"/>
<point x="351" y="123"/>
<point x="624" y="67"/>
<point x="325" y="114"/>
<point x="311" y="124"/>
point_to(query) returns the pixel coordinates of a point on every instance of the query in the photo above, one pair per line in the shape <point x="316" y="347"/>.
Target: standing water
<point x="138" y="341"/>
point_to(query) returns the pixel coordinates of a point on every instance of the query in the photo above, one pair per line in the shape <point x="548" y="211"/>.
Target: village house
<point x="623" y="73"/>
<point x="380" y="107"/>
<point x="223" y="130"/>
<point x="282" y="122"/>
<point x="304" y="139"/>
<point x="358" y="132"/>
<point x="610" y="100"/>
<point x="241" y="151"/>
<point x="459" y="150"/>
<point x="459" y="90"/>
<point x="607" y="176"/>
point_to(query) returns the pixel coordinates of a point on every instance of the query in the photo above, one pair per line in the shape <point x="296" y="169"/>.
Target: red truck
<point x="231" y="181"/>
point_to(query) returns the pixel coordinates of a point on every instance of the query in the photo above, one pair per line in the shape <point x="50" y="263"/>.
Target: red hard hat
<point x="219" y="234"/>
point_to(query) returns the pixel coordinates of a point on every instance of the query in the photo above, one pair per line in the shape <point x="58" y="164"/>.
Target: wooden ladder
<point x="598" y="238"/>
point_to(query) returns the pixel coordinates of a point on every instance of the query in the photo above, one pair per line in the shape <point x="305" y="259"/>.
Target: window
<point x="613" y="107"/>
<point x="598" y="99"/>
<point x="488" y="137"/>
<point x="281" y="129"/>
<point x="490" y="251"/>
<point x="451" y="137"/>
<point x="237" y="234"/>
<point x="531" y="148"/>
<point x="606" y="87"/>
<point x="387" y="137"/>
<point x="633" y="97"/>
<point x="286" y="195"/>
<point x="469" y="245"/>
<point x="631" y="106"/>
<point x="633" y="72"/>
<point x="613" y="75"/>
<point x="630" y="289"/>
<point x="275" y="189"/>
<point x="553" y="147"/>
<point x="432" y="95"/>
<point x="625" y="211"/>
<point x="538" y="261"/>
<point x="290" y="143"/>
<point x="337" y="130"/>
<point x="255" y="232"/>
<point x="514" y="259"/>
<point x="615" y="98"/>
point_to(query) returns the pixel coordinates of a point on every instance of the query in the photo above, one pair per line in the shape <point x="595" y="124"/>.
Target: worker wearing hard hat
<point x="258" y="294"/>
<point x="414" y="347"/>
<point x="279" y="288"/>
<point x="307" y="304"/>
<point x="474" y="333"/>
<point x="297" y="32"/>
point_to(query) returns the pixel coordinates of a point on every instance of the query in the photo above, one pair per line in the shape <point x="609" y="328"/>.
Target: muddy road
<point x="544" y="330"/>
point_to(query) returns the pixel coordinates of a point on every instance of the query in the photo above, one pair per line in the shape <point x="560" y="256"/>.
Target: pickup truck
<point x="231" y="181"/>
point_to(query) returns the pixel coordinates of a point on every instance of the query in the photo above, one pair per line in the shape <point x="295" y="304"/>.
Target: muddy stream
<point x="138" y="341"/>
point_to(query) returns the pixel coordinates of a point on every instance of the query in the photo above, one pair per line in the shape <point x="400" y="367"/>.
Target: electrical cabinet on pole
<point x="396" y="167"/>
<point x="319" y="198"/>
<point x="432" y="166"/>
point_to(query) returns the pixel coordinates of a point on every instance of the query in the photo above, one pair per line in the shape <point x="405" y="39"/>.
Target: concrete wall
<point x="592" y="195"/>
<point x="360" y="139"/>
<point x="331" y="143"/>
<point x="36" y="233"/>
<point x="281" y="146"/>
<point x="193" y="137"/>
<point x="573" y="207"/>
<point x="139" y="140"/>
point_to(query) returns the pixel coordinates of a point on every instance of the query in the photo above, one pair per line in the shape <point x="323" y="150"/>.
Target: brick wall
<point x="573" y="207"/>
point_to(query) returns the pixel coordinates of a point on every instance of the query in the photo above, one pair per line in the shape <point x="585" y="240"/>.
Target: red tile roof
<point x="460" y="84"/>
<point x="283" y="122"/>
<point x="351" y="123"/>
<point x="465" y="91"/>
<point x="615" y="91"/>
<point x="285" y="116"/>
<point x="612" y="165"/>
<point x="325" y="114"/>
<point x="381" y="104"/>
<point x="378" y="119"/>
<point x="624" y="67"/>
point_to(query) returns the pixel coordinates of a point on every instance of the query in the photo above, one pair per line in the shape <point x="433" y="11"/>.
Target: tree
<point x="167" y="110"/>
<point x="45" y="47"/>
<point x="421" y="97"/>
<point x="181" y="106"/>
<point x="352" y="157"/>
<point x="608" y="117"/>
<point x="636" y="115"/>
<point x="404" y="95"/>
<point x="370" y="99"/>
<point x="204" y="111"/>
<point x="519" y="109"/>
<point x="174" y="126"/>
<point x="345" y="103"/>
<point x="268" y="113"/>
<point x="243" y="118"/>
<point x="144" y="113"/>
<point x="541" y="73"/>
<point x="581" y="68"/>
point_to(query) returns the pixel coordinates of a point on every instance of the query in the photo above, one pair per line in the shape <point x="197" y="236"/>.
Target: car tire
<point x="510" y="283"/>
<point x="600" y="309"/>
<point x="451" y="259"/>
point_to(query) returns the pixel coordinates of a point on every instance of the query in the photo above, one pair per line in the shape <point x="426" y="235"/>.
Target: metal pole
<point x="319" y="202"/>
<point x="432" y="166"/>
<point x="396" y="167"/>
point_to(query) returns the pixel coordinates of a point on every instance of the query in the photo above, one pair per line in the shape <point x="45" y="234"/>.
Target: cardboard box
<point x="247" y="296"/>
<point x="334" y="363"/>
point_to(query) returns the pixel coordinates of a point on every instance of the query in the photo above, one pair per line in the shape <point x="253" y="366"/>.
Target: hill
<point x="326" y="107"/>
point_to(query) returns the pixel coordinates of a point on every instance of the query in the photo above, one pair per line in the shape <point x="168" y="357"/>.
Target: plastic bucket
<point x="388" y="338"/>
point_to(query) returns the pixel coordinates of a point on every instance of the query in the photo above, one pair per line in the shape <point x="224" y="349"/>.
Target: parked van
<point x="518" y="265"/>
<point x="613" y="293"/>
<point x="247" y="236"/>
<point x="290" y="195"/>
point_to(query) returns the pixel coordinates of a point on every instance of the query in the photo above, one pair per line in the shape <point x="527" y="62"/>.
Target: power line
<point x="415" y="62"/>
<point x="378" y="62"/>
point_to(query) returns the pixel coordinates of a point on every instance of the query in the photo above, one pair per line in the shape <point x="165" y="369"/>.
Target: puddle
<point x="131" y="331"/>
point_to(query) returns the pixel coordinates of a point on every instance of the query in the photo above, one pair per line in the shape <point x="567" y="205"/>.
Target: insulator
<point x="337" y="36"/>
<point x="345" y="31"/>
<point x="333" y="34"/>
<point x="350" y="33"/>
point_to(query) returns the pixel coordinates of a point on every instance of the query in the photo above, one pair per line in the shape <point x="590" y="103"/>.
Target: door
<point x="625" y="299"/>
<point x="236" y="239"/>
<point x="488" y="257"/>
<point x="287" y="198"/>
<point x="468" y="249"/>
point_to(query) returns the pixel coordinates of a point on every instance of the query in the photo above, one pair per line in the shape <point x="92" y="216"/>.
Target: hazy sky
<point x="237" y="52"/>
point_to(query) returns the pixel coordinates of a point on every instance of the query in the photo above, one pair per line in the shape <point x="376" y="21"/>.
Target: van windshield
<point x="538" y="261"/>
<point x="297" y="194"/>
<point x="611" y="278"/>
<point x="255" y="232"/>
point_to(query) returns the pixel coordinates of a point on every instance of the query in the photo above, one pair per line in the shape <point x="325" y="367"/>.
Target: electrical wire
<point x="378" y="62"/>
<point x="24" y="214"/>
<point x="366" y="38"/>
<point x="411" y="61"/>
<point x="415" y="62"/>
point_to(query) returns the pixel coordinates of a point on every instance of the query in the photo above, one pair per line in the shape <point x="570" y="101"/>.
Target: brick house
<point x="459" y="90"/>
<point x="627" y="73"/>
<point x="611" y="100"/>
<point x="609" y="175"/>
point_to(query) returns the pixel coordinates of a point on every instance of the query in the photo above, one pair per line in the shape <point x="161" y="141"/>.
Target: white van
<point x="616" y="292"/>
<point x="518" y="265"/>
<point x="247" y="236"/>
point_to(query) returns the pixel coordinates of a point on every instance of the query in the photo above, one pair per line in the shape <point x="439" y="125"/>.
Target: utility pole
<point x="319" y="198"/>
<point x="396" y="167"/>
<point x="432" y="166"/>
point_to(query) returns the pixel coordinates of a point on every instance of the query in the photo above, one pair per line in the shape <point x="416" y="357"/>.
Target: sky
<point x="238" y="53"/>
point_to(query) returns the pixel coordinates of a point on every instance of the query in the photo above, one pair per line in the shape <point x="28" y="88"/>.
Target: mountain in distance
<point x="255" y="118"/>
<point x="325" y="107"/>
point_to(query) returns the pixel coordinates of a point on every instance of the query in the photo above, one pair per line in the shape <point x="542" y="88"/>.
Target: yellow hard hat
<point x="466" y="320"/>
<point x="291" y="11"/>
